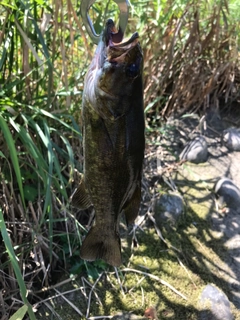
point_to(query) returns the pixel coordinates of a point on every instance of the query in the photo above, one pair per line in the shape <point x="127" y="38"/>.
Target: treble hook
<point x="123" y="6"/>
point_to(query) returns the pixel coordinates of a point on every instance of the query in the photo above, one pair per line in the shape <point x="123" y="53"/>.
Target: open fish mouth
<point x="126" y="43"/>
<point x="117" y="50"/>
<point x="114" y="66"/>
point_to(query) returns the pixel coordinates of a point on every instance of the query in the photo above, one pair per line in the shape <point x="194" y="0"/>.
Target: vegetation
<point x="191" y="63"/>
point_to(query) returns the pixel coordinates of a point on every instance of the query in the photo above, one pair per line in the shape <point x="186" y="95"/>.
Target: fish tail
<point x="99" y="245"/>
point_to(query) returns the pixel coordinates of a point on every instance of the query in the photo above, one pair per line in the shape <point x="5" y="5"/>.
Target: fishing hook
<point x="123" y="6"/>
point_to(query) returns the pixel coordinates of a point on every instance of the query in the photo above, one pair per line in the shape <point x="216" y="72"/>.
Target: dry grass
<point x="194" y="64"/>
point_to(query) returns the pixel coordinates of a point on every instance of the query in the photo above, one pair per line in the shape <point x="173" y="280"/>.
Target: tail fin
<point x="99" y="245"/>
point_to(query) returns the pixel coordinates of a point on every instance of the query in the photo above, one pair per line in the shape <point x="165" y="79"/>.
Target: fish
<point x="113" y="143"/>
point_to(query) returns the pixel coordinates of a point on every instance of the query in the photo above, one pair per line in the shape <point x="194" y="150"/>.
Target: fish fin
<point x="80" y="198"/>
<point x="131" y="207"/>
<point x="99" y="245"/>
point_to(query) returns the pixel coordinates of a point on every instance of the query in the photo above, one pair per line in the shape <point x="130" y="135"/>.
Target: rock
<point x="195" y="151"/>
<point x="214" y="305"/>
<point x="227" y="193"/>
<point x="168" y="209"/>
<point x="231" y="139"/>
<point x="151" y="313"/>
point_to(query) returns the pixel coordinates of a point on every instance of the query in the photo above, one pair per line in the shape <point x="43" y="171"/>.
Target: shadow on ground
<point x="201" y="248"/>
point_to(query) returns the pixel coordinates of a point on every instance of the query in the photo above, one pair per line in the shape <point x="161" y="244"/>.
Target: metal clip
<point x="123" y="19"/>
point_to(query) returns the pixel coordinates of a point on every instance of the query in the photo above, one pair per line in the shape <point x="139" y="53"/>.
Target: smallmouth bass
<point x="113" y="143"/>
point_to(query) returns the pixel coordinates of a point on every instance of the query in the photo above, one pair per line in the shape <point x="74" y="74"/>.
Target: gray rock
<point x="214" y="305"/>
<point x="168" y="209"/>
<point x="195" y="151"/>
<point x="227" y="194"/>
<point x="231" y="139"/>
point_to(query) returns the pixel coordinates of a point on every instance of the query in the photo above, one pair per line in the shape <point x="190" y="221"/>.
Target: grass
<point x="41" y="158"/>
<point x="13" y="155"/>
<point x="14" y="262"/>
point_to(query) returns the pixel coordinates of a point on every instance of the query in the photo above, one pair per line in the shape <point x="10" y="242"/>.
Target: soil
<point x="202" y="247"/>
<point x="196" y="184"/>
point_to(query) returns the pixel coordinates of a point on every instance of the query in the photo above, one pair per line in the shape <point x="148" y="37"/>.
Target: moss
<point x="200" y="260"/>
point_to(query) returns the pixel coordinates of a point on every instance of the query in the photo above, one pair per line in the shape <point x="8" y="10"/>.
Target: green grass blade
<point x="45" y="136"/>
<point x="47" y="142"/>
<point x="69" y="156"/>
<point x="13" y="154"/>
<point x="31" y="147"/>
<point x="52" y="116"/>
<point x="17" y="271"/>
<point x="61" y="187"/>
<point x="19" y="315"/>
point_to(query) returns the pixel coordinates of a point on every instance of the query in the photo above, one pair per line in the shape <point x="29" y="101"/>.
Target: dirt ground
<point x="195" y="182"/>
<point x="167" y="266"/>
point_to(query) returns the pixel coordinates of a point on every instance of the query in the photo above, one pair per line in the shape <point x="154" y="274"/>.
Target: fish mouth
<point x="124" y="52"/>
<point x="118" y="48"/>
<point x="125" y="43"/>
<point x="117" y="65"/>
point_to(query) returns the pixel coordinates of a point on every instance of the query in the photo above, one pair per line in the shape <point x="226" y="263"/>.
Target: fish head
<point x="116" y="69"/>
<point x="121" y="62"/>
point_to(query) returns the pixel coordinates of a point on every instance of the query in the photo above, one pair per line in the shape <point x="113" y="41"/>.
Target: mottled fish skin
<point x="113" y="133"/>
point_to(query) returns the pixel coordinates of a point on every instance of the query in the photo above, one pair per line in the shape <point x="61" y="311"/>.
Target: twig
<point x="45" y="246"/>
<point x="91" y="286"/>
<point x="100" y="317"/>
<point x="182" y="265"/>
<point x="54" y="286"/>
<point x="2" y="302"/>
<point x="119" y="281"/>
<point x="84" y="287"/>
<point x="34" y="215"/>
<point x="143" y="297"/>
<point x="55" y="296"/>
<point x="90" y="294"/>
<point x="138" y="223"/>
<point x="70" y="303"/>
<point x="139" y="281"/>
<point x="53" y="312"/>
<point x="109" y="280"/>
<point x="44" y="269"/>
<point x="171" y="184"/>
<point x="157" y="279"/>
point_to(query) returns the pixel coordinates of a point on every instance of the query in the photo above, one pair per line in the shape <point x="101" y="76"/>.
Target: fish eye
<point x="132" y="70"/>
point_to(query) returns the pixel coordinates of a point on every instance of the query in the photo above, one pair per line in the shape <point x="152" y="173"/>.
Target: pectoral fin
<point x="131" y="207"/>
<point x="80" y="198"/>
